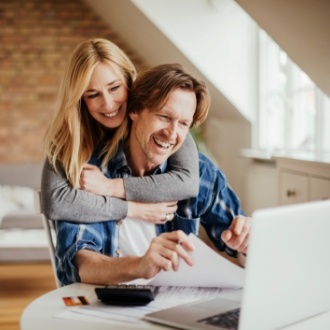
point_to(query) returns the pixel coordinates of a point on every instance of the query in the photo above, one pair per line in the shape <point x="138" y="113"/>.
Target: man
<point x="165" y="103"/>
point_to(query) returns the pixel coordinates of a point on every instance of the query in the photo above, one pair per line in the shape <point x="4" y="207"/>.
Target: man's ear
<point x="133" y="115"/>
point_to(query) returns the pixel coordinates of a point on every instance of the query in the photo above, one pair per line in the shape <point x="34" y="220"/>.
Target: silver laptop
<point x="287" y="275"/>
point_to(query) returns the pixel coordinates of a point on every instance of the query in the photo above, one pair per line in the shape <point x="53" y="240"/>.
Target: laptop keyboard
<point x="226" y="320"/>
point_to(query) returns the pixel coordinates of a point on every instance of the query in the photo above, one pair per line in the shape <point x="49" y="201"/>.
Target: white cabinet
<point x="260" y="184"/>
<point x="319" y="188"/>
<point x="302" y="181"/>
<point x="293" y="187"/>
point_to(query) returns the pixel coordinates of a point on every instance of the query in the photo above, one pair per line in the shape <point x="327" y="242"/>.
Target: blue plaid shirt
<point x="214" y="208"/>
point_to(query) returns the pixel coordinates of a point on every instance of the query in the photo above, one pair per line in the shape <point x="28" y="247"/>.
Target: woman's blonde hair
<point x="74" y="134"/>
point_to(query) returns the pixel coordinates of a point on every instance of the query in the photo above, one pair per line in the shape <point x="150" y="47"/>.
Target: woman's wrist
<point x="131" y="210"/>
<point x="116" y="188"/>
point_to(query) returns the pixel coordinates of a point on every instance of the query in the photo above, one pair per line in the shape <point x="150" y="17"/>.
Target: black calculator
<point x="126" y="294"/>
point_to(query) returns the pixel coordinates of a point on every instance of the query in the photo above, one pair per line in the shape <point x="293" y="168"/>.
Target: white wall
<point x="225" y="139"/>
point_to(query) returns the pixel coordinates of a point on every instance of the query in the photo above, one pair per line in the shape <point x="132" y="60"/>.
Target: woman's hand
<point x="94" y="181"/>
<point x="157" y="213"/>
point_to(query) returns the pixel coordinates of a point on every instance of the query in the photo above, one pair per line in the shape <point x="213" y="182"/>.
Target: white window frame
<point x="319" y="140"/>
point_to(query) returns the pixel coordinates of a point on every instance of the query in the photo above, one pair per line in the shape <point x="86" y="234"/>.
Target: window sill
<point x="257" y="155"/>
<point x="270" y="157"/>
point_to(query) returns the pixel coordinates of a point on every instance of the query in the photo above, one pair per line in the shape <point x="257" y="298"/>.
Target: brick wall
<point x="36" y="38"/>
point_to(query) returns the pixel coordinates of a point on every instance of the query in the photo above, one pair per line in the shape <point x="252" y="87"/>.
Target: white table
<point x="41" y="313"/>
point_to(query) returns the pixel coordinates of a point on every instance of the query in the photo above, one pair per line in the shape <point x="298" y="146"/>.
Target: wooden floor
<point x="20" y="284"/>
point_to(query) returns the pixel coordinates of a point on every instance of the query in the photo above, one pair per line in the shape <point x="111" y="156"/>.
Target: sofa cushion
<point x="16" y="200"/>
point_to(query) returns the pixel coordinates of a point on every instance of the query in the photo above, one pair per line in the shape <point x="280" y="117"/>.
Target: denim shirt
<point x="214" y="208"/>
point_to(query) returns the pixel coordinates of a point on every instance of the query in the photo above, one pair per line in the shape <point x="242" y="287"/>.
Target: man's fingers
<point x="178" y="236"/>
<point x="179" y="253"/>
<point x="172" y="247"/>
<point x="239" y="225"/>
<point x="226" y="236"/>
<point x="244" y="245"/>
<point x="236" y="237"/>
<point x="239" y="242"/>
<point x="182" y="253"/>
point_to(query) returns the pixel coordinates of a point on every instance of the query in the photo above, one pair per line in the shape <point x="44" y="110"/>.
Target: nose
<point x="108" y="102"/>
<point x="171" y="130"/>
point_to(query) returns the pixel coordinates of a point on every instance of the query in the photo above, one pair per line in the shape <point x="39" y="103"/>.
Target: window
<point x="294" y="115"/>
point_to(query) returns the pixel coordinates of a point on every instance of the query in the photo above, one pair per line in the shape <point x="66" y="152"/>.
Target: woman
<point x="91" y="114"/>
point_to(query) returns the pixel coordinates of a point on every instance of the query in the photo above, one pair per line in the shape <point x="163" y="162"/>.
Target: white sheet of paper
<point x="209" y="270"/>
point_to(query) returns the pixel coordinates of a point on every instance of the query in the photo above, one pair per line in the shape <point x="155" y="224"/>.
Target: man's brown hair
<point x="153" y="87"/>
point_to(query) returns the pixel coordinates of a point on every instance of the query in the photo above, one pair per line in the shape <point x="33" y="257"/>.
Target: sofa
<point x="17" y="185"/>
<point x="22" y="235"/>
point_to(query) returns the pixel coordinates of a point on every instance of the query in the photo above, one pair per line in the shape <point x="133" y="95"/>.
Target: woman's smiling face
<point x="106" y="96"/>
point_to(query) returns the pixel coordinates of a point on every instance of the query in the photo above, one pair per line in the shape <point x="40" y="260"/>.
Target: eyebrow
<point x="169" y="113"/>
<point x="109" y="84"/>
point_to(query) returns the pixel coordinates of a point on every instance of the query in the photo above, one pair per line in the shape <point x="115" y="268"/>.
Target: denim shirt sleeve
<point x="215" y="206"/>
<point x="72" y="237"/>
<point x="221" y="204"/>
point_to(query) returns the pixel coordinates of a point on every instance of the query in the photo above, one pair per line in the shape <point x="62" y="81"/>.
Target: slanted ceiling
<point x="302" y="30"/>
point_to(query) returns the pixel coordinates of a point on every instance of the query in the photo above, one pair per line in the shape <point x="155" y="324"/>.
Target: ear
<point x="133" y="115"/>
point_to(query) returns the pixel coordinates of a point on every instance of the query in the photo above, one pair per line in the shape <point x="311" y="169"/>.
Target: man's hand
<point x="237" y="235"/>
<point x="164" y="253"/>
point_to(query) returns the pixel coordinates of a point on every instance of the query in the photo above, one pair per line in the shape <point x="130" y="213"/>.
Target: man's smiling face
<point x="157" y="133"/>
